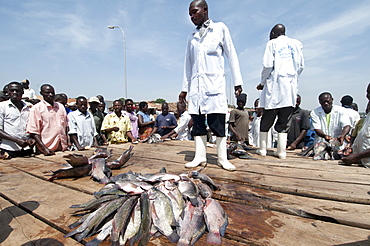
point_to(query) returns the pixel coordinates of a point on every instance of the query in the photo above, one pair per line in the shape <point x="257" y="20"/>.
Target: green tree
<point x="160" y="100"/>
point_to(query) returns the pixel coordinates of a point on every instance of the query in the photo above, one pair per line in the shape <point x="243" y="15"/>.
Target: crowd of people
<point x="31" y="126"/>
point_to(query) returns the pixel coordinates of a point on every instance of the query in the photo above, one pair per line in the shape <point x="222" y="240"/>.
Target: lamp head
<point x="111" y="27"/>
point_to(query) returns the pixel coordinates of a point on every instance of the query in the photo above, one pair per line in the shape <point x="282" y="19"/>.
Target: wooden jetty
<point x="269" y="201"/>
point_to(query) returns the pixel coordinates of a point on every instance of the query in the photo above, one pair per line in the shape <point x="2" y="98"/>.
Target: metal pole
<point x="124" y="47"/>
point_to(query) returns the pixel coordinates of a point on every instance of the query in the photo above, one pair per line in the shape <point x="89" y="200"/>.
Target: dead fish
<point x="99" y="171"/>
<point x="121" y="219"/>
<point x="204" y="190"/>
<point x="173" y="193"/>
<point x="112" y="191"/>
<point x="204" y="178"/>
<point x="143" y="234"/>
<point x="247" y="157"/>
<point x="74" y="172"/>
<point x="192" y="226"/>
<point x="95" y="203"/>
<point x="104" y="211"/>
<point x="133" y="187"/>
<point x="162" y="214"/>
<point x="121" y="160"/>
<point x="104" y="233"/>
<point x="151" y="178"/>
<point x="130" y="176"/>
<point x="216" y="220"/>
<point x="102" y="152"/>
<point x="76" y="160"/>
<point x="133" y="226"/>
<point x="188" y="189"/>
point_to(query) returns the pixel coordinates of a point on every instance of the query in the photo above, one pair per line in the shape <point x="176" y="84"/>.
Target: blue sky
<point x="67" y="44"/>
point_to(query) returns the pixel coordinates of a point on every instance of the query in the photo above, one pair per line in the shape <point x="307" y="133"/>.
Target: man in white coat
<point x="204" y="80"/>
<point x="282" y="64"/>
<point x="330" y="121"/>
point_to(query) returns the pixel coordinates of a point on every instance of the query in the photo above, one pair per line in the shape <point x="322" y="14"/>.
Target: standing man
<point x="117" y="126"/>
<point x="48" y="123"/>
<point x="82" y="130"/>
<point x="282" y="64"/>
<point x="15" y="141"/>
<point x="204" y="80"/>
<point x="130" y="113"/>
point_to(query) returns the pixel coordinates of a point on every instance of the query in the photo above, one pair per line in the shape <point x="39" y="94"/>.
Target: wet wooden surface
<point x="269" y="201"/>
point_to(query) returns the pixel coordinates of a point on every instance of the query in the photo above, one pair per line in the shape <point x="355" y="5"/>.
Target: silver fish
<point x="99" y="171"/>
<point x="162" y="214"/>
<point x="216" y="220"/>
<point x="103" y="234"/>
<point x="188" y="189"/>
<point x="121" y="219"/>
<point x="192" y="226"/>
<point x="122" y="159"/>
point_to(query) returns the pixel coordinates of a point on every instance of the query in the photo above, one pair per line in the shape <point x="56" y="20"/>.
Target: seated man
<point x="15" y="141"/>
<point x="361" y="144"/>
<point x="330" y="122"/>
<point x="29" y="94"/>
<point x="165" y="122"/>
<point x="48" y="123"/>
<point x="299" y="124"/>
<point x="82" y="126"/>
<point x="182" y="131"/>
<point x="354" y="116"/>
<point x="239" y="121"/>
<point x="117" y="126"/>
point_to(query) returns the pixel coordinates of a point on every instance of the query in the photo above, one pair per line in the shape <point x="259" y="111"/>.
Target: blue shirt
<point x="168" y="120"/>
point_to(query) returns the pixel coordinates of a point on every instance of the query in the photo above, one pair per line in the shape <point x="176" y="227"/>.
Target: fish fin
<point x="214" y="238"/>
<point x="173" y="237"/>
<point x="194" y="201"/>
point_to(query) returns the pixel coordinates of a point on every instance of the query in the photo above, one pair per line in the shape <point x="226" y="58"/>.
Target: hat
<point x="242" y="97"/>
<point x="72" y="104"/>
<point x="25" y="81"/>
<point x="94" y="99"/>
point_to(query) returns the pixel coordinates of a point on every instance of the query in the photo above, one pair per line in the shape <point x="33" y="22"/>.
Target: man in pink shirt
<point x="47" y="123"/>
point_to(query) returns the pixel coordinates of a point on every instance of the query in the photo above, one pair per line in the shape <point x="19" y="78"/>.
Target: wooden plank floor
<point x="269" y="201"/>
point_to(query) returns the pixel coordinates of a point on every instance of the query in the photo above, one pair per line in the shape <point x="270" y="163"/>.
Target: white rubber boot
<point x="281" y="146"/>
<point x="222" y="154"/>
<point x="200" y="152"/>
<point x="262" y="151"/>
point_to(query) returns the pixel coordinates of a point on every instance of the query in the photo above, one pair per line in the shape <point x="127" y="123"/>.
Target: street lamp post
<point x="124" y="47"/>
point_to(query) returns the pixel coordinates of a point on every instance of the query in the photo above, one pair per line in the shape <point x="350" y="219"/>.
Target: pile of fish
<point x="239" y="150"/>
<point x="96" y="166"/>
<point x="134" y="207"/>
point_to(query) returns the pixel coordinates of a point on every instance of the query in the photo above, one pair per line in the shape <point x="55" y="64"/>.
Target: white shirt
<point x="282" y="64"/>
<point x="182" y="128"/>
<point x="83" y="126"/>
<point x="338" y="120"/>
<point x="204" y="76"/>
<point x="362" y="141"/>
<point x="30" y="93"/>
<point x="354" y="116"/>
<point x="13" y="122"/>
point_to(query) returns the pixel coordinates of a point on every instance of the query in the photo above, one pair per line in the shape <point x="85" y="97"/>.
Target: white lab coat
<point x="282" y="64"/>
<point x="338" y="119"/>
<point x="362" y="141"/>
<point x="204" y="76"/>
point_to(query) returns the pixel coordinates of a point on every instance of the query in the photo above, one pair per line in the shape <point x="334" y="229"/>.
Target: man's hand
<point x="351" y="159"/>
<point x="116" y="129"/>
<point x="260" y="87"/>
<point x="182" y="96"/>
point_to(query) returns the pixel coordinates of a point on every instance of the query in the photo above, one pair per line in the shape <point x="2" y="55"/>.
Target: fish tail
<point x="214" y="238"/>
